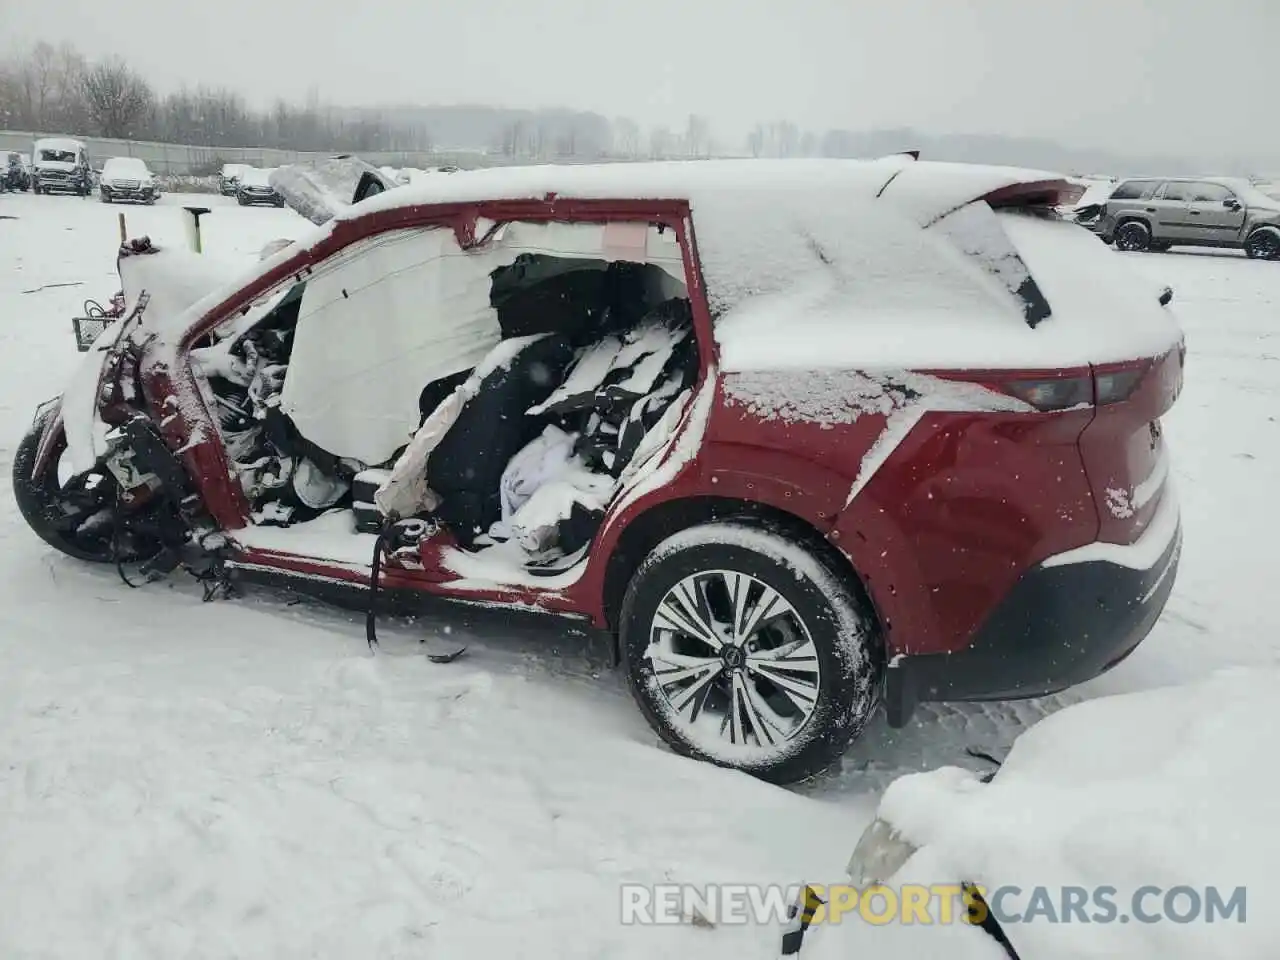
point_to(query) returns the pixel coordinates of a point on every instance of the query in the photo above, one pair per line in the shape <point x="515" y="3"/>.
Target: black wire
<point x="375" y="575"/>
<point x="116" y="528"/>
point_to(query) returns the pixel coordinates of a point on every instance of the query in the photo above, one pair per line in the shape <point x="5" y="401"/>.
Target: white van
<point x="61" y="166"/>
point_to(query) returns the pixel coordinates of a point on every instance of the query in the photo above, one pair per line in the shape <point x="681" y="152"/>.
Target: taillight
<point x="1116" y="385"/>
<point x="1059" y="393"/>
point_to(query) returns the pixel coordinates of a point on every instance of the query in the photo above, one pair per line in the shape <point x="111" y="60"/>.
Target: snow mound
<point x="1161" y="789"/>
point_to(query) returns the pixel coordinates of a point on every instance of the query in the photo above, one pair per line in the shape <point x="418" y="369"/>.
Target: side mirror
<point x="1231" y="203"/>
<point x="1166" y="296"/>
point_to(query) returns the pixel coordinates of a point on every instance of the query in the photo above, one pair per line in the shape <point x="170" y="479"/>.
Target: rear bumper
<point x="1066" y="621"/>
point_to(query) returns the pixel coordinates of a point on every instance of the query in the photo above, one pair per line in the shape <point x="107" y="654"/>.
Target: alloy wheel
<point x="727" y="649"/>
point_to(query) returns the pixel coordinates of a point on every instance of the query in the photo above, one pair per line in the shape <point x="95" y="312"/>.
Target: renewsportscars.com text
<point x="932" y="904"/>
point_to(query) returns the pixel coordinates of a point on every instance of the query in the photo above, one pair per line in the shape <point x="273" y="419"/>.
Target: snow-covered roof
<point x="125" y="163"/>
<point x="925" y="189"/>
<point x="58" y="143"/>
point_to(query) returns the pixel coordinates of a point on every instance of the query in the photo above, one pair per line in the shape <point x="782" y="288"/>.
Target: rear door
<point x="1170" y="212"/>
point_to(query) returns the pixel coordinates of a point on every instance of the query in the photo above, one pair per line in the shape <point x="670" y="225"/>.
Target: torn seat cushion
<point x="465" y="469"/>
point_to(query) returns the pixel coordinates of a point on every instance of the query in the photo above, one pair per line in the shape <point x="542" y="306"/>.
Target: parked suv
<point x="127" y="178"/>
<point x="1156" y="214"/>
<point x="254" y="186"/>
<point x="819" y="453"/>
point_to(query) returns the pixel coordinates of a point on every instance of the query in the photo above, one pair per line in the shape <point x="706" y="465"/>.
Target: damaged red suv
<point x="804" y="436"/>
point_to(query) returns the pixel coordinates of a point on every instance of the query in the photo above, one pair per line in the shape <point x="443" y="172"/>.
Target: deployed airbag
<point x="389" y="315"/>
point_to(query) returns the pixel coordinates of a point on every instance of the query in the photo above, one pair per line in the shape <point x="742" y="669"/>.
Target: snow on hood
<point x="174" y="279"/>
<point x="322" y="189"/>
<point x="1164" y="788"/>
<point x="125" y="168"/>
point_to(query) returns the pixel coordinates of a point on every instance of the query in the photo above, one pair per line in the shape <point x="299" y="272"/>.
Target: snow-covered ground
<point x="243" y="779"/>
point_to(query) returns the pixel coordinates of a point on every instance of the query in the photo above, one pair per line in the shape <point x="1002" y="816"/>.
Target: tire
<point x="1133" y="236"/>
<point x="242" y="201"/>
<point x="807" y="731"/>
<point x="105" y="197"/>
<point x="38" y="499"/>
<point x="36" y="190"/>
<point x="1263" y="244"/>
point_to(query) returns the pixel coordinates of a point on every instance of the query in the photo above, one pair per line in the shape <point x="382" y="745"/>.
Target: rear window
<point x="1130" y="190"/>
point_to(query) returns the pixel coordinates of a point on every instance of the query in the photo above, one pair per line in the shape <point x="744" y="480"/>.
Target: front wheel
<point x="75" y="514"/>
<point x="105" y="197"/>
<point x="1263" y="244"/>
<point x="745" y="649"/>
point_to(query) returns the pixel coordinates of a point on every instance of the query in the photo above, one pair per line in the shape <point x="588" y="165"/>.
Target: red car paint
<point x="963" y="506"/>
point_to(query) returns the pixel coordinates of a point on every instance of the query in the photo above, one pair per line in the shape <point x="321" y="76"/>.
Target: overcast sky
<point x="1170" y="76"/>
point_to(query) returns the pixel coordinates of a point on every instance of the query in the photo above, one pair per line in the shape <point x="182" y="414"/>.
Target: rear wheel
<point x="75" y="514"/>
<point x="745" y="649"/>
<point x="1133" y="236"/>
<point x="1263" y="244"/>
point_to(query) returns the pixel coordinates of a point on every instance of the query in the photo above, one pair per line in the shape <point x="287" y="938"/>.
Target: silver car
<point x="1159" y="213"/>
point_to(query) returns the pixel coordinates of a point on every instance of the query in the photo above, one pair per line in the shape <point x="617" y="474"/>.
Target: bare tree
<point x="757" y="140"/>
<point x="659" y="142"/>
<point x="36" y="76"/>
<point x="11" y="113"/>
<point x="68" y="76"/>
<point x="626" y="137"/>
<point x="118" y="99"/>
<point x="697" y="135"/>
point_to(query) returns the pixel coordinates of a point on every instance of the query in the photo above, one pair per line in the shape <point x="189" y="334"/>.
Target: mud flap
<point x="979" y="915"/>
<point x="799" y="918"/>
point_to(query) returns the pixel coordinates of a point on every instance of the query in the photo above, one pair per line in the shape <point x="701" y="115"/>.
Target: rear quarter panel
<point x="960" y="509"/>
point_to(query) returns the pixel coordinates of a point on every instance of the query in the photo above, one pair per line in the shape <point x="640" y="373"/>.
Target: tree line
<point x="51" y="89"/>
<point x="57" y="89"/>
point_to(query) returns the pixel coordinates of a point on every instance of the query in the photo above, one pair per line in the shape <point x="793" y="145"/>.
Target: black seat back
<point x="467" y="466"/>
